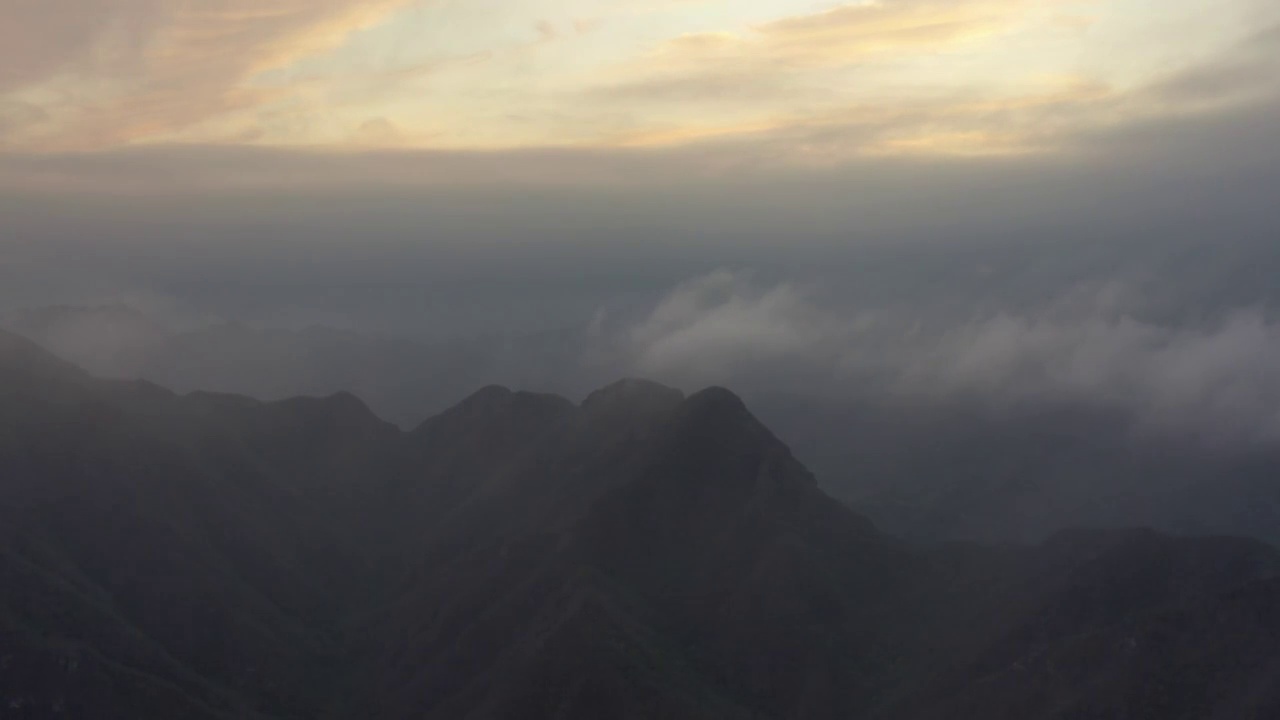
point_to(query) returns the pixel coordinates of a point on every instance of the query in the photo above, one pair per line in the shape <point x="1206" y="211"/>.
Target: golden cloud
<point x="1038" y="119"/>
<point x="796" y="61"/>
<point x="149" y="68"/>
<point x="846" y="34"/>
<point x="881" y="79"/>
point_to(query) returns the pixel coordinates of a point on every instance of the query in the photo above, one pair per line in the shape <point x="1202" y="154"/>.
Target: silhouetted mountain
<point x="26" y="368"/>
<point x="642" y="555"/>
<point x="1130" y="625"/>
<point x="933" y="467"/>
<point x="108" y="340"/>
<point x="404" y="380"/>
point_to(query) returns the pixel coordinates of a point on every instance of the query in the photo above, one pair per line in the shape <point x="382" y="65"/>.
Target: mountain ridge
<point x="640" y="554"/>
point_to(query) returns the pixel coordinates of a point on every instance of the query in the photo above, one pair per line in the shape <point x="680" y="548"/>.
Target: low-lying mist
<point x="959" y="394"/>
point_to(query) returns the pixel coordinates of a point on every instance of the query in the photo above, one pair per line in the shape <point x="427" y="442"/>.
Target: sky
<point x="444" y="168"/>
<point x="820" y="82"/>
<point x="966" y="219"/>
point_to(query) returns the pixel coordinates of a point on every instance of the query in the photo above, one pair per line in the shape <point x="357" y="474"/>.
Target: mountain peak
<point x="716" y="399"/>
<point x="720" y="411"/>
<point x="341" y="407"/>
<point x="501" y="404"/>
<point x="487" y="395"/>
<point x="23" y="363"/>
<point x="15" y="345"/>
<point x="633" y="395"/>
<point x="715" y="438"/>
<point x="498" y="398"/>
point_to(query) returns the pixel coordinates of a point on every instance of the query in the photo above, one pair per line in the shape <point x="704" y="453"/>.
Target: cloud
<point x="378" y="131"/>
<point x="1250" y="72"/>
<point x="41" y="38"/>
<point x="1223" y="377"/>
<point x="141" y="69"/>
<point x="722" y="321"/>
<point x="17" y="116"/>
<point x="930" y="79"/>
<point x="845" y="34"/>
<point x="1218" y="379"/>
<point x="925" y="78"/>
<point x="790" y="59"/>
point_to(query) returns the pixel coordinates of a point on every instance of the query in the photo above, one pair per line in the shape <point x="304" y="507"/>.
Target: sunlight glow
<point x="900" y="76"/>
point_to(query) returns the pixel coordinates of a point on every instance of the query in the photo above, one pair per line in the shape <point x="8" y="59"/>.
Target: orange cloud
<point x="792" y="61"/>
<point x="923" y="77"/>
<point x="1038" y="119"/>
<point x="148" y="68"/>
<point x="846" y="33"/>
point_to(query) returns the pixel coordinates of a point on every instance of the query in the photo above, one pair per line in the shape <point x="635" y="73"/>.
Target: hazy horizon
<point x="1020" y="201"/>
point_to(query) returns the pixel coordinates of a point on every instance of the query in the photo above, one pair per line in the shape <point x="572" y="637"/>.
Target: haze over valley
<point x="644" y="359"/>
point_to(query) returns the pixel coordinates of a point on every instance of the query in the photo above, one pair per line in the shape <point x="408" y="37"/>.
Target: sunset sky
<point x="451" y="163"/>
<point x="819" y="81"/>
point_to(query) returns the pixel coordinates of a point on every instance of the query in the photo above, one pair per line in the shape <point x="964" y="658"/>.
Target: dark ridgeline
<point x="934" y="467"/>
<point x="641" y="555"/>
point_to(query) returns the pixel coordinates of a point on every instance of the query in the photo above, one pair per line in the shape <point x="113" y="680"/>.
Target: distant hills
<point x="405" y="380"/>
<point x="642" y="554"/>
<point x="928" y="467"/>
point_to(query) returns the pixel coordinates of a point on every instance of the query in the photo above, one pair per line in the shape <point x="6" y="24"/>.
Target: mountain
<point x="642" y="554"/>
<point x="930" y="467"/>
<point x="109" y="340"/>
<point x="405" y="380"/>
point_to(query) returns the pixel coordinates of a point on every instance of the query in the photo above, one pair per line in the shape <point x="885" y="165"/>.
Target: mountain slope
<point x="641" y="555"/>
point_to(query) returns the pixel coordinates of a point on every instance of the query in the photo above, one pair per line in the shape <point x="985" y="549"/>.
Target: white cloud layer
<point x="1220" y="378"/>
